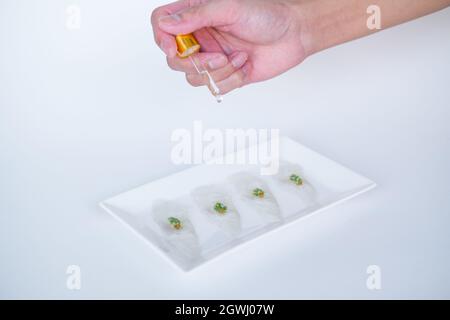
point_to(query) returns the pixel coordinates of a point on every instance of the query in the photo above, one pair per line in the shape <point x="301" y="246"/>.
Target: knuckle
<point x="192" y="80"/>
<point x="171" y="63"/>
<point x="154" y="15"/>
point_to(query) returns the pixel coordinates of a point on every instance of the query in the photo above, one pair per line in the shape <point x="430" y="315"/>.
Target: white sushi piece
<point x="207" y="197"/>
<point x="285" y="177"/>
<point x="247" y="185"/>
<point x="183" y="240"/>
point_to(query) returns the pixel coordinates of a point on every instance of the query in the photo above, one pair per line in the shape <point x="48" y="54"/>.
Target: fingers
<point x="187" y="16"/>
<point x="236" y="80"/>
<point x="207" y="41"/>
<point x="197" y="80"/>
<point x="165" y="40"/>
<point x="229" y="77"/>
<point x="220" y="40"/>
<point x="183" y="9"/>
<point x="211" y="60"/>
<point x="237" y="60"/>
<point x="187" y="20"/>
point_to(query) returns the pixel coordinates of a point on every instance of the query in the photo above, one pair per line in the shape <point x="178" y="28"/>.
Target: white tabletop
<point x="88" y="113"/>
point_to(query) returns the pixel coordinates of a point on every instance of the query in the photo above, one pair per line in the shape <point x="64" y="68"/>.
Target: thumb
<point x="191" y="19"/>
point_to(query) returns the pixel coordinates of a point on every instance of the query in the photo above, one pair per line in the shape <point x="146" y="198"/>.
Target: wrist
<point x="304" y="12"/>
<point x="324" y="24"/>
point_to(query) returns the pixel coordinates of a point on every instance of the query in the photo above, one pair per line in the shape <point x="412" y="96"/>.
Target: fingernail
<point x="217" y="62"/>
<point x="239" y="59"/>
<point x="170" y="20"/>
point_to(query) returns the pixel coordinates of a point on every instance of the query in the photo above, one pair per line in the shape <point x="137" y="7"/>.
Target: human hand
<point x="242" y="41"/>
<point x="245" y="41"/>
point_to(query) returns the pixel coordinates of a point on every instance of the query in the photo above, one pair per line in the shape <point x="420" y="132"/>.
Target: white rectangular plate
<point x="337" y="183"/>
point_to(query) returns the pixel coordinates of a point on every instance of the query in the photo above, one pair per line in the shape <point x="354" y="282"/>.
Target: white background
<point x="86" y="114"/>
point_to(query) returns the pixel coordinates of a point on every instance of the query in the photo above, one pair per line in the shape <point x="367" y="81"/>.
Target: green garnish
<point x="257" y="192"/>
<point x="220" y="208"/>
<point x="175" y="223"/>
<point x="296" y="179"/>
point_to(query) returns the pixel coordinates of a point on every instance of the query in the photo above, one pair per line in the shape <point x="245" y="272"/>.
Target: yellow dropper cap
<point x="187" y="45"/>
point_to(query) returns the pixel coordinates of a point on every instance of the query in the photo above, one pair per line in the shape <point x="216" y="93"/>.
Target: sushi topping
<point x="258" y="193"/>
<point x="296" y="179"/>
<point x="175" y="223"/>
<point x="220" y="208"/>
